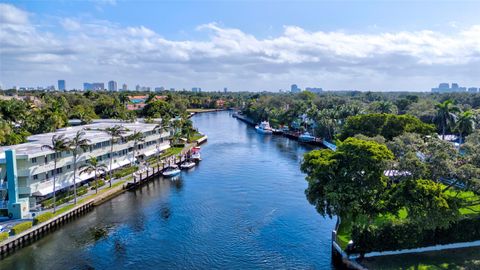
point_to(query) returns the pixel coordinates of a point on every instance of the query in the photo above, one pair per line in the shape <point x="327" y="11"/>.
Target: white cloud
<point x="101" y="50"/>
<point x="11" y="15"/>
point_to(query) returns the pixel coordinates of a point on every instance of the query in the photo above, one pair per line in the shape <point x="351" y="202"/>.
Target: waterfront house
<point x="26" y="170"/>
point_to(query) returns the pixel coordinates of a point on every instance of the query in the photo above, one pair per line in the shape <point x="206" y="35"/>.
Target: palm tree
<point x="465" y="124"/>
<point x="77" y="143"/>
<point x="446" y="115"/>
<point x="163" y="126"/>
<point x="59" y="144"/>
<point x="93" y="165"/>
<point x="136" y="137"/>
<point x="115" y="133"/>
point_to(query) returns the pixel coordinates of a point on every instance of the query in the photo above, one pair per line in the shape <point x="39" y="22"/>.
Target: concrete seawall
<point x="24" y="238"/>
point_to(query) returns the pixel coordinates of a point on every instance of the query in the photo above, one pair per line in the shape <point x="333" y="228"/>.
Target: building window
<point x="35" y="177"/>
<point x="34" y="160"/>
<point x="59" y="170"/>
<point x="68" y="167"/>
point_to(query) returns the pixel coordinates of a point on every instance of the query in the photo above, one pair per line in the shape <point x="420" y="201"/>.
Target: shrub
<point x="42" y="218"/>
<point x="3" y="236"/>
<point x="21" y="227"/>
<point x="405" y="235"/>
<point x="100" y="183"/>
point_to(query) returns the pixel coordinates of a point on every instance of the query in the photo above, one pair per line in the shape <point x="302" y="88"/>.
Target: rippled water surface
<point x="243" y="207"/>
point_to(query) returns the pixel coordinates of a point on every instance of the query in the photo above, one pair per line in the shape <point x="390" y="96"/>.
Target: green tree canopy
<point x="386" y="125"/>
<point x="350" y="181"/>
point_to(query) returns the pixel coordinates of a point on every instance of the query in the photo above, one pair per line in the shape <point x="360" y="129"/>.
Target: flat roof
<point x="93" y="132"/>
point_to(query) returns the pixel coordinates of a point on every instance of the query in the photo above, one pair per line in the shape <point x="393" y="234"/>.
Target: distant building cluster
<point x="454" y="88"/>
<point x="196" y="89"/>
<point x="295" y="89"/>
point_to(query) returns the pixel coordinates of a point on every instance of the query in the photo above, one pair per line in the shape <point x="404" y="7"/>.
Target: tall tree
<point x="162" y="127"/>
<point x="58" y="145"/>
<point x="93" y="165"/>
<point x="465" y="124"/>
<point x="349" y="182"/>
<point x="77" y="143"/>
<point x="136" y="137"/>
<point x="446" y="116"/>
<point x="116" y="132"/>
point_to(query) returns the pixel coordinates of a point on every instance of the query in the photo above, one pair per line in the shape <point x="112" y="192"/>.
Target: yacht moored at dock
<point x="171" y="171"/>
<point x="196" y="154"/>
<point x="306" y="137"/>
<point x="187" y="165"/>
<point x="264" y="128"/>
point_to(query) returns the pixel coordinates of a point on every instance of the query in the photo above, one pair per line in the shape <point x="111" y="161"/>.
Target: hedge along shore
<point x="340" y="257"/>
<point x="35" y="232"/>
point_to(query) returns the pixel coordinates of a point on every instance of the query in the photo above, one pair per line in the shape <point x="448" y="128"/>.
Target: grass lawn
<point x="345" y="229"/>
<point x="171" y="152"/>
<point x="465" y="258"/>
<point x="195" y="137"/>
<point x="68" y="207"/>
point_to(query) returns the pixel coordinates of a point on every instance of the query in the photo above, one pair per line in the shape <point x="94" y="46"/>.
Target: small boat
<point x="196" y="154"/>
<point x="264" y="128"/>
<point x="306" y="137"/>
<point x="171" y="171"/>
<point x="187" y="165"/>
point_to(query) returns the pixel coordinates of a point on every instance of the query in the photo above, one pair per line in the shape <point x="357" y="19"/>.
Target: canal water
<point x="243" y="207"/>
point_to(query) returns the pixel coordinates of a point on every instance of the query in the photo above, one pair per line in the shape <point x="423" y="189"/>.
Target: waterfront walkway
<point x="67" y="210"/>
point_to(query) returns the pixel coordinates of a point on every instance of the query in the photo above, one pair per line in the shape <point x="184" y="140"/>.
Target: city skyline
<point x="42" y="43"/>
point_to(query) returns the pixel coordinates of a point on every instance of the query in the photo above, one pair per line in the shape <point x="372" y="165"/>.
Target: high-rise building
<point x="445" y="88"/>
<point x="314" y="89"/>
<point x="196" y="89"/>
<point x="137" y="87"/>
<point x="225" y="89"/>
<point x="473" y="89"/>
<point x="112" y="86"/>
<point x="61" y="85"/>
<point x="124" y="87"/>
<point x="93" y="86"/>
<point x="294" y="88"/>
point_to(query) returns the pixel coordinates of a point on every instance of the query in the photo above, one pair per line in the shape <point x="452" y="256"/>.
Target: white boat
<point x="264" y="128"/>
<point x="306" y="137"/>
<point x="196" y="154"/>
<point x="171" y="171"/>
<point x="187" y="165"/>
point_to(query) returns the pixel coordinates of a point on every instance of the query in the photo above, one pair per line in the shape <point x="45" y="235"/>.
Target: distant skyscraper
<point x="61" y="85"/>
<point x="445" y="88"/>
<point x="473" y="89"/>
<point x="124" y="87"/>
<point x="137" y="87"/>
<point x="112" y="86"/>
<point x="294" y="88"/>
<point x="314" y="89"/>
<point x="93" y="86"/>
<point x="225" y="89"/>
<point x="196" y="89"/>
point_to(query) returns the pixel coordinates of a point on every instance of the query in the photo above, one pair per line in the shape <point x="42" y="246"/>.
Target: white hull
<point x="187" y="165"/>
<point x="171" y="172"/>
<point x="263" y="131"/>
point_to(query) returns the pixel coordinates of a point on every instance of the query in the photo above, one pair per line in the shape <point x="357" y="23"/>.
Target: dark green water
<point x="243" y="207"/>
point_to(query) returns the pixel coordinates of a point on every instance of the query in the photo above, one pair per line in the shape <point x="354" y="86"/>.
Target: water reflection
<point x="242" y="207"/>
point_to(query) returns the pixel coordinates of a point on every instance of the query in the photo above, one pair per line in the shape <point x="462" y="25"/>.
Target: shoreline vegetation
<point x="405" y="173"/>
<point x="404" y="162"/>
<point x="104" y="194"/>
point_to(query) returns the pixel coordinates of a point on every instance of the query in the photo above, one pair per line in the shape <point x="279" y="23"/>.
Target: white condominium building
<point x="26" y="170"/>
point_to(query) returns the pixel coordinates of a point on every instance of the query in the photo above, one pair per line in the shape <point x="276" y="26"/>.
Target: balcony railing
<point x="3" y="204"/>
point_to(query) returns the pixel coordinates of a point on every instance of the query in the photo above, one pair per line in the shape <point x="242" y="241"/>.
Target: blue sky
<point x="246" y="45"/>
